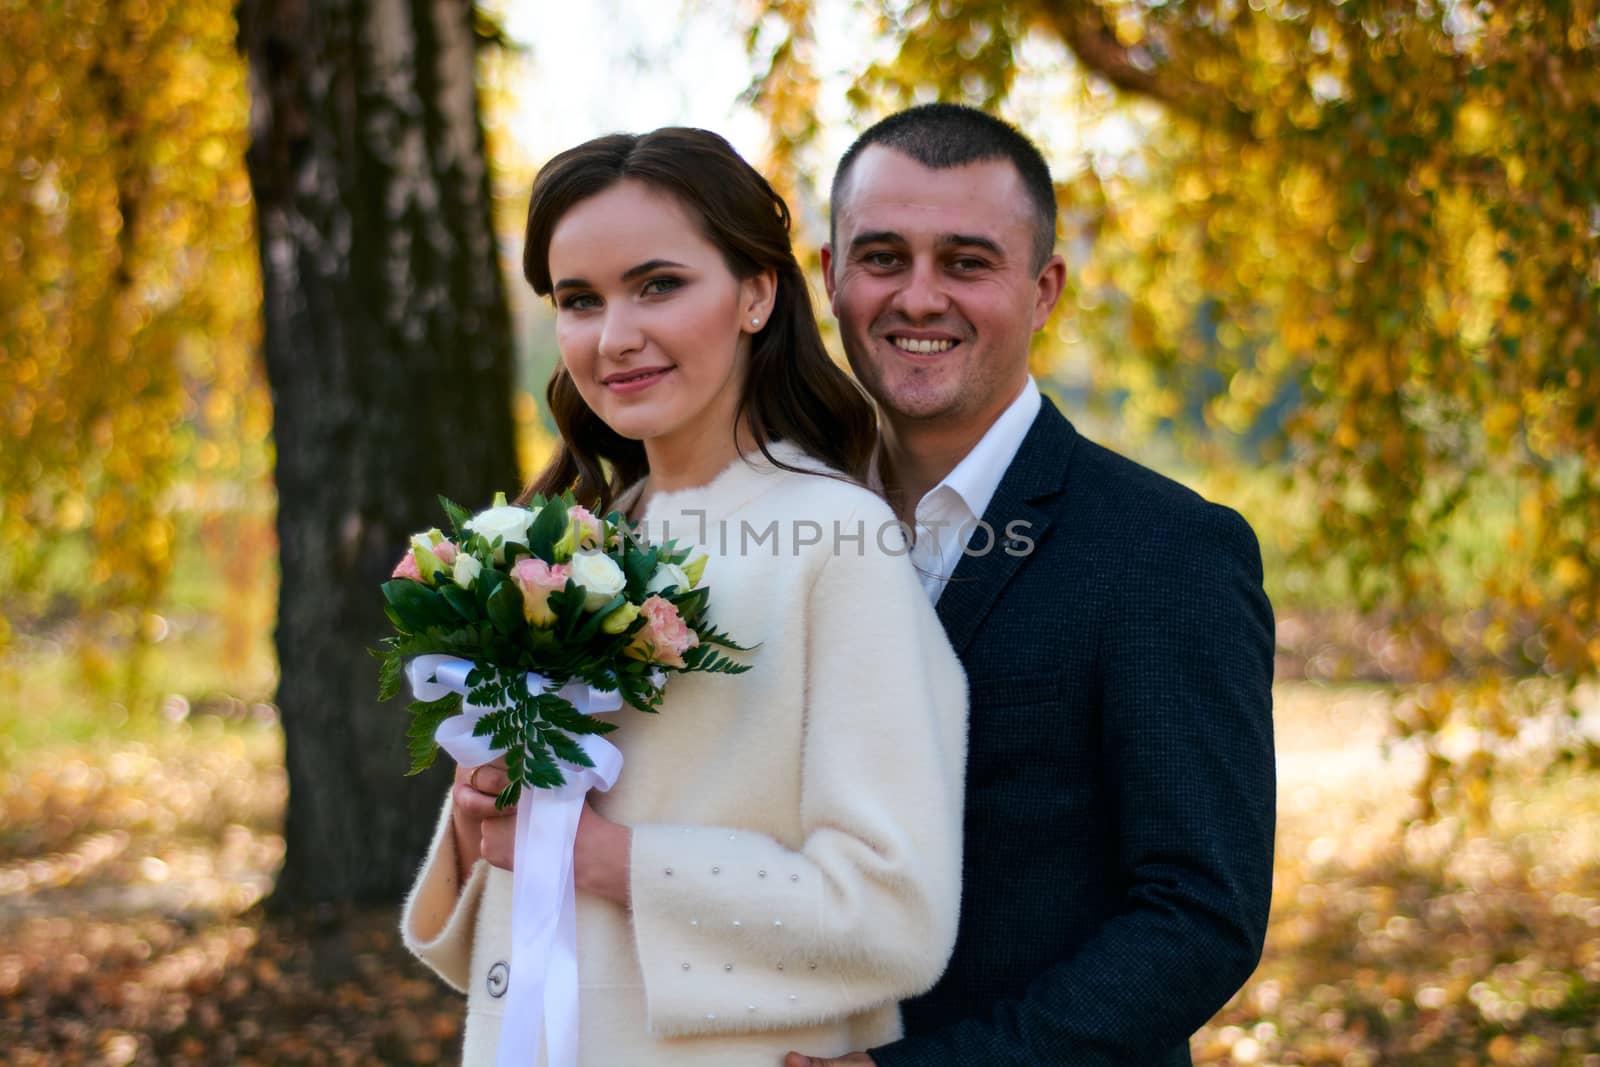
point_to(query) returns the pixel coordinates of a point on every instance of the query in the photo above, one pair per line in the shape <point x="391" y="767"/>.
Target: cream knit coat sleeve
<point x="864" y="910"/>
<point x="440" y="915"/>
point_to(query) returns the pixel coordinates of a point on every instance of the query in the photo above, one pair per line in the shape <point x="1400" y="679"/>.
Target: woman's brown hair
<point x="792" y="390"/>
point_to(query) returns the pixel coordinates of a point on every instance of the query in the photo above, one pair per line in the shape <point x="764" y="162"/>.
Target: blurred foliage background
<point x="1335" y="264"/>
<point x="1350" y="244"/>
<point x="134" y="422"/>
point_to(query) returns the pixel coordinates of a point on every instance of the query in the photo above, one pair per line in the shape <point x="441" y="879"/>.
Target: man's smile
<point x="920" y="347"/>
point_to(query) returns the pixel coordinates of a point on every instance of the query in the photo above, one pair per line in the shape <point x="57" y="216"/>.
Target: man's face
<point x="933" y="285"/>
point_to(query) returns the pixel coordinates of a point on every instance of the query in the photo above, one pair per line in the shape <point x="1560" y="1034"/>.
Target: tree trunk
<point x="388" y="351"/>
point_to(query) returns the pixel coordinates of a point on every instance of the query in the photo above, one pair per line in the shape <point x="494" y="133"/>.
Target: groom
<point x="1117" y="642"/>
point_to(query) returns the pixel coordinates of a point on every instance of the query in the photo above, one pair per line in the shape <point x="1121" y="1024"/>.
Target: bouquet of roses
<point x="536" y="598"/>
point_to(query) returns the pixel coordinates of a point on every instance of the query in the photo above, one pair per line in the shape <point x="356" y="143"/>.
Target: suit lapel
<point x="1037" y="473"/>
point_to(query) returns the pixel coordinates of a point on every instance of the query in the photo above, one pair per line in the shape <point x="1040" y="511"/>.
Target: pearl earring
<point x="755" y="322"/>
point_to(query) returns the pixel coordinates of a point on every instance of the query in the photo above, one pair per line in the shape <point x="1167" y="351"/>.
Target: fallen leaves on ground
<point x="1427" y="944"/>
<point x="131" y="930"/>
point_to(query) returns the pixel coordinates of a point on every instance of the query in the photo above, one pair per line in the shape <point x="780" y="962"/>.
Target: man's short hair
<point x="952" y="135"/>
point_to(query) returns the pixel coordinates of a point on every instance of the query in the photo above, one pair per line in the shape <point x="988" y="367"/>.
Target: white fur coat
<point x="796" y="829"/>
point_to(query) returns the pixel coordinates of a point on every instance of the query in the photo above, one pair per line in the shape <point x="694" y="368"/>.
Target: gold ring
<point x="472" y="779"/>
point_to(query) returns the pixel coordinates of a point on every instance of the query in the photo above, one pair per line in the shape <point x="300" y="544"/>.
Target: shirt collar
<point x="978" y="475"/>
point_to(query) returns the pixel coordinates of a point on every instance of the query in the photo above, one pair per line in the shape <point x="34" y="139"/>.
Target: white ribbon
<point x="542" y="994"/>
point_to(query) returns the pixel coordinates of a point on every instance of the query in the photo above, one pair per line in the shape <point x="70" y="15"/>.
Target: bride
<point x="779" y="862"/>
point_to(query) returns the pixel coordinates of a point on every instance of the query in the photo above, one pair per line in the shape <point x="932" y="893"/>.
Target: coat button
<point x="499" y="978"/>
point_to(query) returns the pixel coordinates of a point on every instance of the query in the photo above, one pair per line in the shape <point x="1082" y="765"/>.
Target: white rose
<point x="600" y="577"/>
<point x="466" y="569"/>
<point x="507" y="522"/>
<point x="668" y="574"/>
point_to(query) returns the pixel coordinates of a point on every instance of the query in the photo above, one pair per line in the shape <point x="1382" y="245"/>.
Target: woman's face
<point x="652" y="326"/>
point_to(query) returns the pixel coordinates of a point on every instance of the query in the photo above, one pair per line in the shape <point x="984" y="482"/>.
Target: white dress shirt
<point x="947" y="516"/>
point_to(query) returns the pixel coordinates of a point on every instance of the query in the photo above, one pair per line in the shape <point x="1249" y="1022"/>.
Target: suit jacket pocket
<point x="1029" y="736"/>
<point x="998" y="691"/>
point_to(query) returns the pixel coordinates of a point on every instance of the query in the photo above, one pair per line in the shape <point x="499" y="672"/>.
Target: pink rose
<point x="430" y="553"/>
<point x="536" y="580"/>
<point x="665" y="637"/>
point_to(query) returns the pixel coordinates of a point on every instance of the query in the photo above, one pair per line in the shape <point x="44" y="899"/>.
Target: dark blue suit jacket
<point x="1120" y="781"/>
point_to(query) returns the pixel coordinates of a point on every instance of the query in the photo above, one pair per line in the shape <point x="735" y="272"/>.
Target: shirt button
<point x="499" y="978"/>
